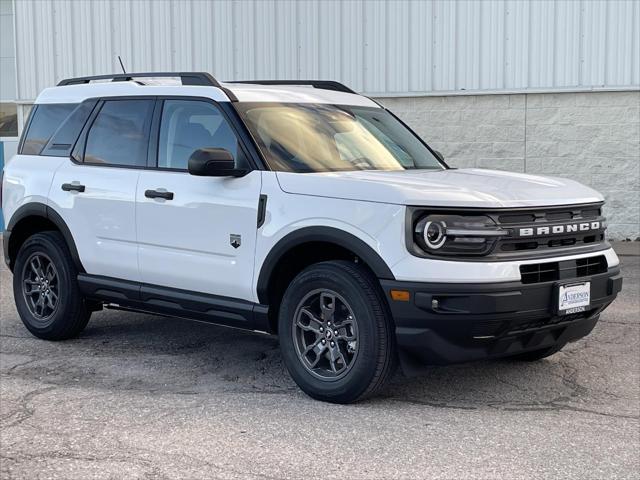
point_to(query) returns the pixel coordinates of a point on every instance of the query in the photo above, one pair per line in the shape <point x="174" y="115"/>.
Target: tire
<point x="536" y="355"/>
<point x="356" y="362"/>
<point x="62" y="312"/>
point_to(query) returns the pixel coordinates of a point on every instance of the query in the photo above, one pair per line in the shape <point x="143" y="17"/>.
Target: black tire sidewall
<point x="363" y="371"/>
<point x="68" y="295"/>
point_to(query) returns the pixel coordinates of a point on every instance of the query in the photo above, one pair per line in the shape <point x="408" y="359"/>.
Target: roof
<point x="295" y="94"/>
<point x="76" y="93"/>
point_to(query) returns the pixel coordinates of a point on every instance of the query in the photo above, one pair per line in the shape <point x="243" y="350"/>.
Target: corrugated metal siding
<point x="377" y="47"/>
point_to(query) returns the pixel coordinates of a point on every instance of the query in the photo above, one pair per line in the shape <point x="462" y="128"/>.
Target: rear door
<point x="94" y="191"/>
<point x="196" y="233"/>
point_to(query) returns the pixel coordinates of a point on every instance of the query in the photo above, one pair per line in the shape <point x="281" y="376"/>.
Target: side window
<point x="188" y="125"/>
<point x="119" y="134"/>
<point x="46" y="120"/>
<point x="64" y="138"/>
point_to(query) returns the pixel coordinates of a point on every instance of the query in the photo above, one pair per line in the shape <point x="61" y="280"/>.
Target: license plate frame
<point x="573" y="297"/>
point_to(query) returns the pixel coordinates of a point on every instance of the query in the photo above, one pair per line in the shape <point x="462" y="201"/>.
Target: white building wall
<point x="7" y="53"/>
<point x="382" y="48"/>
<point x="423" y="52"/>
<point x="591" y="137"/>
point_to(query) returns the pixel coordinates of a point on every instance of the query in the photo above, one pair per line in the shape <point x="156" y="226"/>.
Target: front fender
<point x="319" y="234"/>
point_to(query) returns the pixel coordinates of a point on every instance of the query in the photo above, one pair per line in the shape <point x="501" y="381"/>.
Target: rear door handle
<point x="158" y="194"/>
<point x="72" y="187"/>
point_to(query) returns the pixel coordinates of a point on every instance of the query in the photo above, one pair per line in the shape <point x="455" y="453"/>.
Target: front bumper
<point x="480" y="321"/>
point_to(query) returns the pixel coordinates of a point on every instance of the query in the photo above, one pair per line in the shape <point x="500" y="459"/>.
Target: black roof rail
<point x="322" y="84"/>
<point x="188" y="78"/>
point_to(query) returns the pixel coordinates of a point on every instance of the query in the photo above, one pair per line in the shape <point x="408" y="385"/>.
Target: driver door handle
<point x="72" y="187"/>
<point x="158" y="194"/>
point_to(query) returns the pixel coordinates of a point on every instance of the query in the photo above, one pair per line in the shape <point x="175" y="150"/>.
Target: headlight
<point x="457" y="234"/>
<point x="434" y="234"/>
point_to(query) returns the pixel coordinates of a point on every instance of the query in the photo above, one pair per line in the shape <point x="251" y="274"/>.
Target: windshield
<point x="306" y="137"/>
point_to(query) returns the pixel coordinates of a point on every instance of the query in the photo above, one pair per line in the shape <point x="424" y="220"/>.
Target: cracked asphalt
<point x="139" y="396"/>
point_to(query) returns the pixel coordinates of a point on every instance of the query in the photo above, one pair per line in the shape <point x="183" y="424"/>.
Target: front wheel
<point x="46" y="290"/>
<point x="335" y="333"/>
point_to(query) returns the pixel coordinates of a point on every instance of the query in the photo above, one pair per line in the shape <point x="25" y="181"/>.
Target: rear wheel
<point x="46" y="290"/>
<point x="335" y="334"/>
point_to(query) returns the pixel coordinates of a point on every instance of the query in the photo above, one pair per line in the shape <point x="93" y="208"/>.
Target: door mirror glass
<point x="214" y="162"/>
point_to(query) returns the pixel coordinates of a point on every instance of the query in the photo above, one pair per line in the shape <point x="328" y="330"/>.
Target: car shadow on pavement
<point x="124" y="350"/>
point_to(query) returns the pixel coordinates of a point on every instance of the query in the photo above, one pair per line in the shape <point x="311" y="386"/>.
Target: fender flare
<point x="37" y="209"/>
<point x="319" y="234"/>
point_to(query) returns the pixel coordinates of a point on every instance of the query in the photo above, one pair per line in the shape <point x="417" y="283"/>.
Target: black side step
<point x="175" y="302"/>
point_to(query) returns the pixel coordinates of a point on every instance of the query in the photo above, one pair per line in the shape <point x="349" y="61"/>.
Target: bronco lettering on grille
<point x="559" y="229"/>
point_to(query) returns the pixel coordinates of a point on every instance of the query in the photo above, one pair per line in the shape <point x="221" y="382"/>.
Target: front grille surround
<point x="550" y="217"/>
<point x="515" y="246"/>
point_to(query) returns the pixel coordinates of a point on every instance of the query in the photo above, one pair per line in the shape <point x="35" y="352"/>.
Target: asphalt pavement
<point x="140" y="396"/>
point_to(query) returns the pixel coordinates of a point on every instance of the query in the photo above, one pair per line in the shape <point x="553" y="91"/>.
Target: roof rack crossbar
<point x="321" y="84"/>
<point x="188" y="78"/>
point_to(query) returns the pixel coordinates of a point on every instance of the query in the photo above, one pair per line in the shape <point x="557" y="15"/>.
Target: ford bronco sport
<point x="297" y="208"/>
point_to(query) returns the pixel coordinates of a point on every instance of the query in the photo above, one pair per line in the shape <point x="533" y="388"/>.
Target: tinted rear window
<point x="45" y="121"/>
<point x="65" y="137"/>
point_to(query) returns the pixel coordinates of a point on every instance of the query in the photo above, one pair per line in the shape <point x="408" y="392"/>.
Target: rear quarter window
<point x="45" y="120"/>
<point x="63" y="140"/>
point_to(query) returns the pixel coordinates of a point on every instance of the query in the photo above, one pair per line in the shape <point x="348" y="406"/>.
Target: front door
<point x="196" y="233"/>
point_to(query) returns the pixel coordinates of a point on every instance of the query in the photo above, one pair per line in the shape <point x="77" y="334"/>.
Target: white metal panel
<point x="330" y="37"/>
<point x="635" y="49"/>
<point x="467" y="31"/>
<point x="265" y="52"/>
<point x="375" y="46"/>
<point x="516" y="61"/>
<point x="444" y="45"/>
<point x="353" y="68"/>
<point x="619" y="43"/>
<point x="7" y="53"/>
<point x="594" y="20"/>
<point x="420" y="71"/>
<point x="379" y="47"/>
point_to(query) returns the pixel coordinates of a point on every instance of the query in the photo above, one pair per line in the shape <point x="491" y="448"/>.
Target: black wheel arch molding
<point x="37" y="209"/>
<point x="319" y="234"/>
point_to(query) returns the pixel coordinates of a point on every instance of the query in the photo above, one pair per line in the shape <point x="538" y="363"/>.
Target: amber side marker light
<point x="400" y="295"/>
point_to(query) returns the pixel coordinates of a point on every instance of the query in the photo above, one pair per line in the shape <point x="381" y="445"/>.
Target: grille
<point x="539" y="272"/>
<point x="551" y="271"/>
<point x="513" y="221"/>
<point x="591" y="266"/>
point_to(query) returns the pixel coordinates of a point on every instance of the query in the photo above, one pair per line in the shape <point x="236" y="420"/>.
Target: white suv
<point x="296" y="208"/>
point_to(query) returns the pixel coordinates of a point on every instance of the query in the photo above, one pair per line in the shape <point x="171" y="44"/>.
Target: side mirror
<point x="439" y="155"/>
<point x="214" y="162"/>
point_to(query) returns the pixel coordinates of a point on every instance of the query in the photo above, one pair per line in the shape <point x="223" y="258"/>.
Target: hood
<point x="469" y="187"/>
